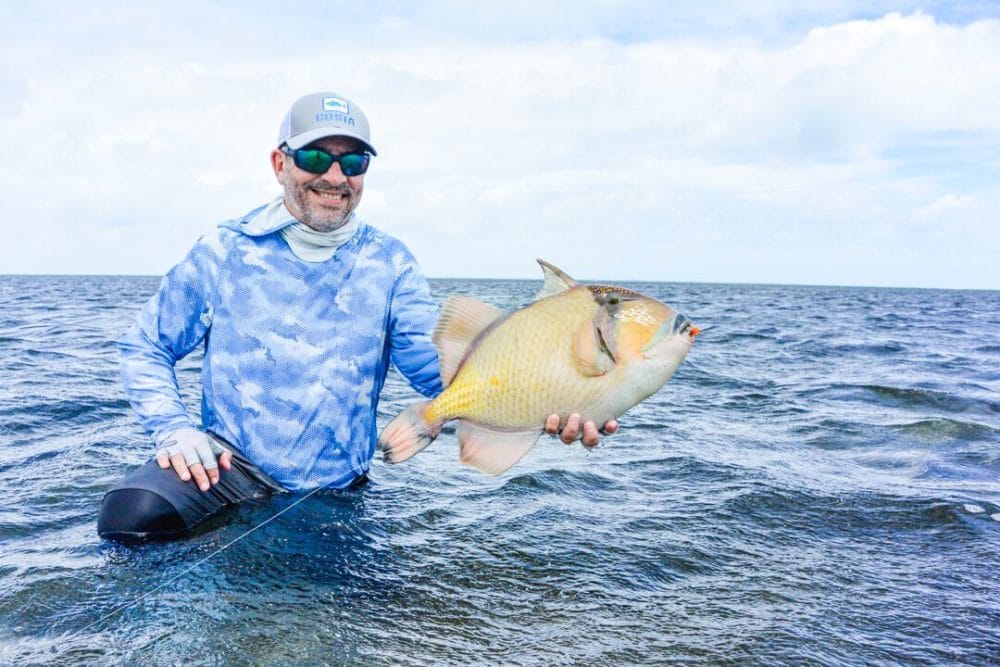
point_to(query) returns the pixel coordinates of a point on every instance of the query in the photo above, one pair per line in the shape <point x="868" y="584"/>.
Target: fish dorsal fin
<point x="594" y="346"/>
<point x="490" y="450"/>
<point x="556" y="280"/>
<point x="462" y="319"/>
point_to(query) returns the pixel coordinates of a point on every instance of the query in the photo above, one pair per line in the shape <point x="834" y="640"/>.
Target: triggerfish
<point x="593" y="349"/>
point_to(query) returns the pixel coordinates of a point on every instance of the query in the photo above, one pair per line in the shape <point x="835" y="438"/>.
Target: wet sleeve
<point x="413" y="314"/>
<point x="171" y="324"/>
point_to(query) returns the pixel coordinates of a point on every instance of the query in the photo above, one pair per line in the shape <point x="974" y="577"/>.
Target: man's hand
<point x="572" y="429"/>
<point x="191" y="453"/>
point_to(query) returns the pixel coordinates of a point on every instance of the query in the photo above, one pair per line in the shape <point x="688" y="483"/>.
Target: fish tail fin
<point x="407" y="434"/>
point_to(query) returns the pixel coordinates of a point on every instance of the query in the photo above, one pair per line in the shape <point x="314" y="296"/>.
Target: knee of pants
<point x="138" y="514"/>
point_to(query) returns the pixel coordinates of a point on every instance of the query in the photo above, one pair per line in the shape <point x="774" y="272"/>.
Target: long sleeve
<point x="413" y="314"/>
<point x="296" y="352"/>
<point x="171" y="324"/>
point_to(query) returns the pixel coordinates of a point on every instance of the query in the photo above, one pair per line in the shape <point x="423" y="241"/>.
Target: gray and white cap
<point x="319" y="115"/>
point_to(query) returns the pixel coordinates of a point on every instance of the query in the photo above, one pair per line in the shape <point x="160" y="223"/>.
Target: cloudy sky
<point x="849" y="142"/>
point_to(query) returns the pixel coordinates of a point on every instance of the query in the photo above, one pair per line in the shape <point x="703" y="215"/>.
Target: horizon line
<point x="582" y="280"/>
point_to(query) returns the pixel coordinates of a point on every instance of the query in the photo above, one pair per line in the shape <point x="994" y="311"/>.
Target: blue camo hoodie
<point x="296" y="352"/>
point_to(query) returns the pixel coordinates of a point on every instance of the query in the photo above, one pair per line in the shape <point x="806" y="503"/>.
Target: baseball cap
<point x="319" y="115"/>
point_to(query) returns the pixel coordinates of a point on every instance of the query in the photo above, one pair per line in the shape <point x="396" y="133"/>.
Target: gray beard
<point x="312" y="219"/>
<point x="315" y="222"/>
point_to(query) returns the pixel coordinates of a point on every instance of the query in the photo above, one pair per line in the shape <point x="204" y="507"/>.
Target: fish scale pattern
<point x="524" y="371"/>
<point x="296" y="352"/>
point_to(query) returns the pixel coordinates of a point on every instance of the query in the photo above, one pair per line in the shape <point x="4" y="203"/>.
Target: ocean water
<point x="819" y="484"/>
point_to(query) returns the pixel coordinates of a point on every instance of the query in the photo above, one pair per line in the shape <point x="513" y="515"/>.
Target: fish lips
<point x="679" y="328"/>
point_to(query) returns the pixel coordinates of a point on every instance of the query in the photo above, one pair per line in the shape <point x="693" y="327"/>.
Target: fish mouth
<point x="685" y="328"/>
<point x="679" y="328"/>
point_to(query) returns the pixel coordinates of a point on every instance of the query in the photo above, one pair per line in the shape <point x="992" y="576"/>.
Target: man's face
<point x="322" y="202"/>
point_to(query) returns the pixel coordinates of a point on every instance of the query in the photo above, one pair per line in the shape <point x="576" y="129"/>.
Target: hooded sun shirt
<point x="313" y="246"/>
<point x="297" y="342"/>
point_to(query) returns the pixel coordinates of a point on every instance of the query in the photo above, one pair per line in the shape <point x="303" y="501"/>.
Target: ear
<point x="277" y="163"/>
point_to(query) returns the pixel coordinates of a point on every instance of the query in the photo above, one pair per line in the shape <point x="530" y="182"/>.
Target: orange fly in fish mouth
<point x="694" y="332"/>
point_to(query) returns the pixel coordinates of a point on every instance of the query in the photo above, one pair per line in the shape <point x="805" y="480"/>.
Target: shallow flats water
<point x="818" y="484"/>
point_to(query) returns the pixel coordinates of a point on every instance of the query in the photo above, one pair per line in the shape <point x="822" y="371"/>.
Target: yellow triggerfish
<point x="593" y="349"/>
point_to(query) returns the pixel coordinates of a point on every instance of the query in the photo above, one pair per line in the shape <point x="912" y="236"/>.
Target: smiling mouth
<point x="332" y="196"/>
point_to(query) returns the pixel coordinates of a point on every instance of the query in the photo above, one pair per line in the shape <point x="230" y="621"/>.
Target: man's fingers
<point x="552" y="424"/>
<point x="163" y="459"/>
<point x="180" y="466"/>
<point x="194" y="455"/>
<point x="572" y="428"/>
<point x="200" y="477"/>
<point x="208" y="462"/>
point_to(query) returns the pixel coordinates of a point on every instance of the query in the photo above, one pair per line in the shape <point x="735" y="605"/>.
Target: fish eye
<point x="613" y="300"/>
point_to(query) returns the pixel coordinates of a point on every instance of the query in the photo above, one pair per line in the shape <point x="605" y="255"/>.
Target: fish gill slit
<point x="604" y="345"/>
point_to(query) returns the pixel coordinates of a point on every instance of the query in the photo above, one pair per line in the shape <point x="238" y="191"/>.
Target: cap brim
<point x="305" y="138"/>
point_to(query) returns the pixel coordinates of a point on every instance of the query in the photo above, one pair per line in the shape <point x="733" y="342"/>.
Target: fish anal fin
<point x="593" y="348"/>
<point x="462" y="320"/>
<point x="491" y="450"/>
<point x="556" y="280"/>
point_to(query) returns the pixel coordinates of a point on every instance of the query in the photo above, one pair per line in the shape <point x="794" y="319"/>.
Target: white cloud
<point x="798" y="160"/>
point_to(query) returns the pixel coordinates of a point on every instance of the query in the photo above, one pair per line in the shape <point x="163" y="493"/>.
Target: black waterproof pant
<point x="151" y="503"/>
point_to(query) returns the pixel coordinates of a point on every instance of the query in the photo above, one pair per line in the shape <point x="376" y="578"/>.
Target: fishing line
<point x="199" y="563"/>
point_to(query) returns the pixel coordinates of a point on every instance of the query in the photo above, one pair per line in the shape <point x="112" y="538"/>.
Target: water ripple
<point x="802" y="492"/>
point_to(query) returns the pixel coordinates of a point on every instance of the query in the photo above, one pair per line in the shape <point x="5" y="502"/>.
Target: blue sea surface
<point x="819" y="484"/>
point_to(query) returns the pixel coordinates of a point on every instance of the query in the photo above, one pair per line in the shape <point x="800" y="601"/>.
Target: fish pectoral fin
<point x="490" y="450"/>
<point x="592" y="353"/>
<point x="556" y="280"/>
<point x="462" y="320"/>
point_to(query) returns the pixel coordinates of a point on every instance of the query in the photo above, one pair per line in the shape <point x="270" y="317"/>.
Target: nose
<point x="334" y="175"/>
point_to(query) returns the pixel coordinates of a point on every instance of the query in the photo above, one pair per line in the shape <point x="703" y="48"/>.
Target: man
<point x="301" y="307"/>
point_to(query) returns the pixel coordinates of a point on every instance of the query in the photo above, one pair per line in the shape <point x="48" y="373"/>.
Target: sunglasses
<point x="318" y="161"/>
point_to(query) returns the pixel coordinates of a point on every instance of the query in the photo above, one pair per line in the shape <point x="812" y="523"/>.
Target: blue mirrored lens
<point x="313" y="160"/>
<point x="353" y="164"/>
<point x="318" y="161"/>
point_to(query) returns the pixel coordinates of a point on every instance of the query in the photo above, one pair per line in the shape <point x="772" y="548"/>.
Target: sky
<point x="827" y="143"/>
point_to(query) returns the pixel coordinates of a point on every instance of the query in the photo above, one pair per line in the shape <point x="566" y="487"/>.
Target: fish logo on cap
<point x="336" y="104"/>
